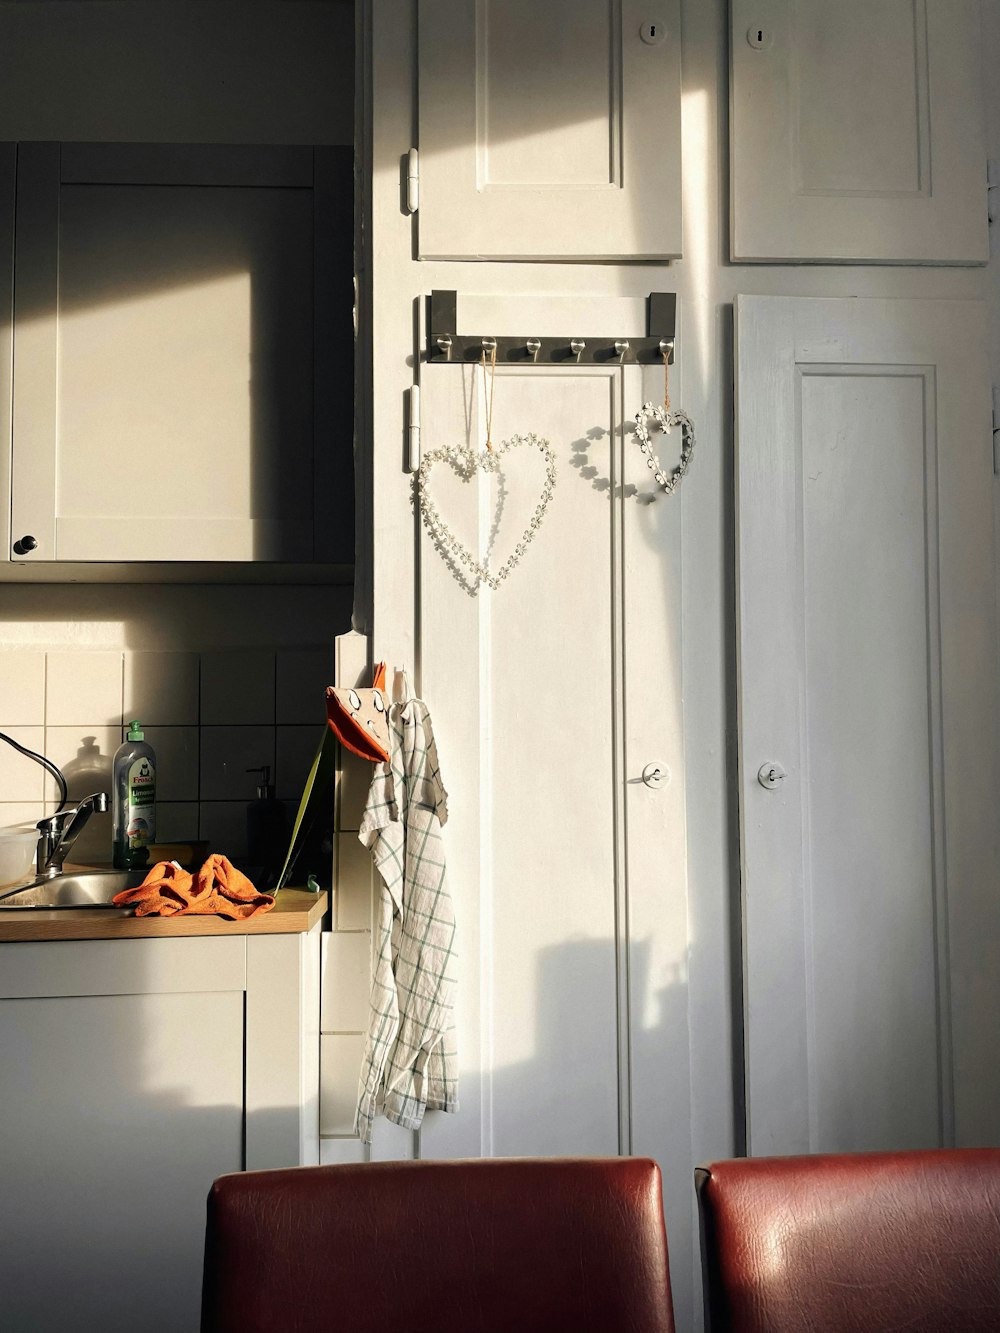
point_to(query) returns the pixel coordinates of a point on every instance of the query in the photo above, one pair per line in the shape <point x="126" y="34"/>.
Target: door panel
<point x="549" y="130"/>
<point x="857" y="132"/>
<point x="867" y="659"/>
<point x="170" y="302"/>
<point x="549" y="697"/>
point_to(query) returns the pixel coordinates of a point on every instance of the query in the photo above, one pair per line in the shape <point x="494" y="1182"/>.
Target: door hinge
<point x="993" y="189"/>
<point x="996" y="430"/>
<point x="413" y="432"/>
<point x="412" y="181"/>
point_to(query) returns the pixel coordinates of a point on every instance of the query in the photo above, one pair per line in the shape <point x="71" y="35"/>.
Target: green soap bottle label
<point x="140" y="826"/>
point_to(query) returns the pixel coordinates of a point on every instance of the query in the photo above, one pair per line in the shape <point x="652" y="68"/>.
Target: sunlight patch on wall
<point x="698" y="228"/>
<point x="154" y="391"/>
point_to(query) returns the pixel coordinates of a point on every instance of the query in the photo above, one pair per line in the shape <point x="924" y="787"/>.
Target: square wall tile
<point x="302" y="678"/>
<point x="177" y="761"/>
<point x="93" y="846"/>
<point x="224" y="825"/>
<point x="294" y="754"/>
<point x="346" y="983"/>
<point x="237" y="686"/>
<point x="352" y="890"/>
<point x="21" y="778"/>
<point x="161" y="689"/>
<point x="226" y="755"/>
<point x="339" y="1151"/>
<point x="339" y="1070"/>
<point x="83" y="688"/>
<point x="21" y="812"/>
<point x="177" y="821"/>
<point x="86" y="757"/>
<point x="355" y="778"/>
<point x="22" y="689"/>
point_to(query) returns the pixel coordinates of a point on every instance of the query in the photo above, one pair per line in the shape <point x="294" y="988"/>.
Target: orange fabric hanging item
<point x="360" y="720"/>
<point x="218" y="889"/>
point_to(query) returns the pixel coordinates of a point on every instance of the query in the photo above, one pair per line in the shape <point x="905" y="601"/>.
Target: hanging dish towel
<point x="410" y="1060"/>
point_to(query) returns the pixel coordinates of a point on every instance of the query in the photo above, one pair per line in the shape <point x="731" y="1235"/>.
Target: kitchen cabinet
<point x="548" y="131"/>
<point x="857" y="132"/>
<point x="182" y="354"/>
<point x="135" y="1071"/>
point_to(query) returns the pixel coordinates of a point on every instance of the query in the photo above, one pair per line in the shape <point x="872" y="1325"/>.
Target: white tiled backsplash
<point x="209" y="716"/>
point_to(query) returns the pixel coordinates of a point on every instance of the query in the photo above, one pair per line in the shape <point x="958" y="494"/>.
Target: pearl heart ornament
<point x="466" y="463"/>
<point x="665" y="420"/>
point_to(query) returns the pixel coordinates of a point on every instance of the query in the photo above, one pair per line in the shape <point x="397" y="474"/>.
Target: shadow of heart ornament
<point x="466" y="463"/>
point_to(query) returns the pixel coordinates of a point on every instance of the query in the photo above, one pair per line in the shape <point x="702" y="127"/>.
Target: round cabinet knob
<point x="25" y="544"/>
<point x="770" y="776"/>
<point x="656" y="775"/>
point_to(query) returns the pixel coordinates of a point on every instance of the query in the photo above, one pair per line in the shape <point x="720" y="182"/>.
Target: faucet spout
<point x="58" y="833"/>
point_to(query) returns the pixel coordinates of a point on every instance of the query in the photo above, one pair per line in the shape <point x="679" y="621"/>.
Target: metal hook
<point x="667" y="348"/>
<point x="533" y="345"/>
<point x="444" y="343"/>
<point x="621" y="346"/>
<point x="576" y="345"/>
<point x="489" y="345"/>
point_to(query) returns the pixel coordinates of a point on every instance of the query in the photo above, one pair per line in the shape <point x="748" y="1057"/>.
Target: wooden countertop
<point x="294" y="911"/>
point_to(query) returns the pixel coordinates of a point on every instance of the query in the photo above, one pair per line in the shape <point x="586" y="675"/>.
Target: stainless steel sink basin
<point x="84" y="888"/>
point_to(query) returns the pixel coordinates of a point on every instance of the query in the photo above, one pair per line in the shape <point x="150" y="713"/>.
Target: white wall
<point x="706" y="285"/>
<point x="267" y="71"/>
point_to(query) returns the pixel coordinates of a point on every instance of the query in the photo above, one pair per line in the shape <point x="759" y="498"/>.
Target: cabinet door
<point x="121" y="1100"/>
<point x="857" y="132"/>
<point x="549" y="130"/>
<point x="550" y="697"/>
<point x="172" y="305"/>
<point x="867" y="673"/>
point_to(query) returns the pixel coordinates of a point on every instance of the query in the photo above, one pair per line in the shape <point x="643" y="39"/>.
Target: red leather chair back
<point x="862" y="1243"/>
<point x="495" y="1246"/>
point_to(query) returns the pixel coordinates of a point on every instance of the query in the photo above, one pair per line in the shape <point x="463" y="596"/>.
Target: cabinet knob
<point x="25" y="544"/>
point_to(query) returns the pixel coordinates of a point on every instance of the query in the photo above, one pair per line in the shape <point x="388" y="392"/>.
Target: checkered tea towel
<point x="410" y="1060"/>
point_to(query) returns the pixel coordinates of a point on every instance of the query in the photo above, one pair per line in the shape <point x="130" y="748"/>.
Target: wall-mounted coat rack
<point x="446" y="346"/>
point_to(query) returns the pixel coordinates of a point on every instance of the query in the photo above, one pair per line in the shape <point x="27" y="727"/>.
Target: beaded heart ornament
<point x="665" y="420"/>
<point x="466" y="463"/>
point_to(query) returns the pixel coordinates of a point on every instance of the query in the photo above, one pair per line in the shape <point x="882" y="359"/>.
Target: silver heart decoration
<point x="466" y="463"/>
<point x="665" y="420"/>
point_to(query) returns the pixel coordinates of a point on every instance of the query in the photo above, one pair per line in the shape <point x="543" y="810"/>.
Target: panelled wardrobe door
<point x="549" y="131"/>
<point x="552" y="694"/>
<point x="857" y="132"/>
<point x="867" y="685"/>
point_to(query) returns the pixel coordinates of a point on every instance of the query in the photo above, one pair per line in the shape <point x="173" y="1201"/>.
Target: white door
<point x="549" y="129"/>
<point x="550" y="696"/>
<point x="867" y="661"/>
<point x="857" y="131"/>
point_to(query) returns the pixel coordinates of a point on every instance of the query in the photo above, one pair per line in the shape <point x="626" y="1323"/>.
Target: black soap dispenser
<point x="267" y="832"/>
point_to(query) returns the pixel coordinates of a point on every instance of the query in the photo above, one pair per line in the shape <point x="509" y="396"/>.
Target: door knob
<point x="770" y="776"/>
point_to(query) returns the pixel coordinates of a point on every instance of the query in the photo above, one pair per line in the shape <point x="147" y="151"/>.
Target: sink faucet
<point x="56" y="836"/>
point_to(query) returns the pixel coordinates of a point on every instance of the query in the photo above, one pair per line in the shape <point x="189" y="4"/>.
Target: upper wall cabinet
<point x="182" y="354"/>
<point x="857" y="132"/>
<point x="549" y="130"/>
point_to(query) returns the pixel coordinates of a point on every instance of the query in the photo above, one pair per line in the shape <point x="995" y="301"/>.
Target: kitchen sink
<point x="81" y="888"/>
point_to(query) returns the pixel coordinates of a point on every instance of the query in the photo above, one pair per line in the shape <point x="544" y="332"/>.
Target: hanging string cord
<point x="666" y="379"/>
<point x="489" y="397"/>
<point x="45" y="763"/>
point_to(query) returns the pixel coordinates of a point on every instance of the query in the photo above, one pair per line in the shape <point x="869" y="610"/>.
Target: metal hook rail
<point x="446" y="346"/>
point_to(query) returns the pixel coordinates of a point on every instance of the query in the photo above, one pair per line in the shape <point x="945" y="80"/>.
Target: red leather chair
<point x="555" y="1245"/>
<point x="862" y="1243"/>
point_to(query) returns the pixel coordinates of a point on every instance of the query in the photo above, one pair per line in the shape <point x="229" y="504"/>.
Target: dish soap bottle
<point x="134" y="800"/>
<point x="267" y="832"/>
